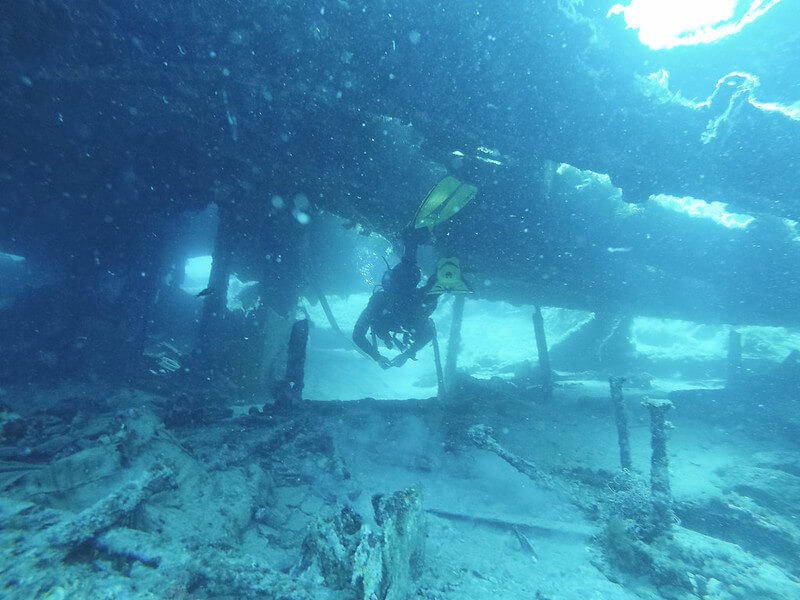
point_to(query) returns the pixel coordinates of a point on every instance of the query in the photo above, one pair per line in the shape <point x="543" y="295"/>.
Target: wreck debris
<point x="221" y="575"/>
<point x="168" y="364"/>
<point x="163" y="359"/>
<point x="546" y="527"/>
<point x="119" y="535"/>
<point x="401" y="551"/>
<point x="46" y="537"/>
<point x="131" y="545"/>
<point x="328" y="546"/>
<point x="659" y="465"/>
<point x="378" y="565"/>
<point x="481" y="436"/>
<point x="627" y="515"/>
<point x="621" y="420"/>
<point x="111" y="509"/>
<point x="526" y="544"/>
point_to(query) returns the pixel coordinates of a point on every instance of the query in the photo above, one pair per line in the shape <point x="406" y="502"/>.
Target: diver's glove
<point x="400" y="359"/>
<point x="384" y="362"/>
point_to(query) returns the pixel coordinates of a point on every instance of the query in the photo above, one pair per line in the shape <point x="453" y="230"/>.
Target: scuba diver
<point x="399" y="311"/>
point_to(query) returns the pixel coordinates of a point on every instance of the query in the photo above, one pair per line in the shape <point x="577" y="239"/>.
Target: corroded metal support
<point x="441" y="391"/>
<point x="659" y="465"/>
<point x="544" y="356"/>
<point x="289" y="391"/>
<point x="734" y="358"/>
<point x="482" y="437"/>
<point x="215" y="303"/>
<point x="454" y="343"/>
<point x="621" y="419"/>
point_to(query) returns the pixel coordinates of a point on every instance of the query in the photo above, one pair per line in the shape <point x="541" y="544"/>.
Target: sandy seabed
<point x="112" y="492"/>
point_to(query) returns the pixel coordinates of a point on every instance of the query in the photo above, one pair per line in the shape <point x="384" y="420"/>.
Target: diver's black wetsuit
<point x="399" y="313"/>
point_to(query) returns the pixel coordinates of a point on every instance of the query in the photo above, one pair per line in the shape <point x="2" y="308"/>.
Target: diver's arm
<point x="429" y="283"/>
<point x="421" y="339"/>
<point x="360" y="336"/>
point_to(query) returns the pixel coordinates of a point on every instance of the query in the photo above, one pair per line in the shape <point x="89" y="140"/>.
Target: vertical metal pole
<point x="544" y="356"/>
<point x="437" y="357"/>
<point x="454" y="343"/>
<point x="734" y="358"/>
<point x="215" y="305"/>
<point x="659" y="465"/>
<point x="296" y="359"/>
<point x="622" y="421"/>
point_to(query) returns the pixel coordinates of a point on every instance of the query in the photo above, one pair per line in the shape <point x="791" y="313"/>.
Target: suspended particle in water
<point x="301" y="217"/>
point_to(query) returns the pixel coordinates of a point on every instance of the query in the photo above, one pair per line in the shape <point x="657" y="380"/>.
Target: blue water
<point x="197" y="202"/>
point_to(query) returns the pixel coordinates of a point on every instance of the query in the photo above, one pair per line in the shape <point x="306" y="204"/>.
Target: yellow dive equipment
<point x="446" y="198"/>
<point x="448" y="278"/>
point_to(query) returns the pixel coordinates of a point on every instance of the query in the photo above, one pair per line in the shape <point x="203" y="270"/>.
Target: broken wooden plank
<point x="110" y="510"/>
<point x="533" y="526"/>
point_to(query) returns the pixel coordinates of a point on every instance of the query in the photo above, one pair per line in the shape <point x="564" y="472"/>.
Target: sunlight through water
<point x="716" y="211"/>
<point x="664" y="24"/>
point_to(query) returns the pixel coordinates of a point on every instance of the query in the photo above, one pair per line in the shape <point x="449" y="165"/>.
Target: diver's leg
<point x="412" y="238"/>
<point x="410" y="243"/>
<point x="422" y="335"/>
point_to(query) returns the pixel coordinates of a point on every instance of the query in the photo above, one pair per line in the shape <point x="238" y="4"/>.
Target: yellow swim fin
<point x="445" y="199"/>
<point x="448" y="278"/>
